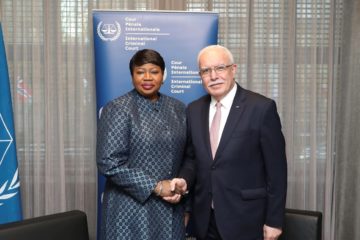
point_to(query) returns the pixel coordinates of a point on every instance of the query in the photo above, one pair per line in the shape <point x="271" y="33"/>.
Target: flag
<point x="10" y="201"/>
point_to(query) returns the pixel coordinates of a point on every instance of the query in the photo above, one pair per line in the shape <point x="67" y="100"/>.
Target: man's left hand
<point x="271" y="233"/>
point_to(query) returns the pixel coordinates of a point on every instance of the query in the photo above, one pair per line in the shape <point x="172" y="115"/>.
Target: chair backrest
<point x="71" y="225"/>
<point x="302" y="225"/>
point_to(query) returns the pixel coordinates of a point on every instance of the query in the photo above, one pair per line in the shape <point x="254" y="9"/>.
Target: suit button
<point x="213" y="167"/>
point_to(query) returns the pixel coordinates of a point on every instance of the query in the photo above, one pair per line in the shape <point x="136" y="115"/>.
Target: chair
<point x="71" y="225"/>
<point x="302" y="225"/>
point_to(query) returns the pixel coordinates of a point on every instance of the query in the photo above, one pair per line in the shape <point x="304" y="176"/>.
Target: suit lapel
<point x="204" y="124"/>
<point x="237" y="108"/>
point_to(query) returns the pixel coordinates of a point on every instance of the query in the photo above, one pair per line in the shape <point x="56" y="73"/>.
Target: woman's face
<point x="147" y="80"/>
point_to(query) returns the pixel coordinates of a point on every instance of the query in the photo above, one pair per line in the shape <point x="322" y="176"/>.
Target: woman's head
<point x="147" y="70"/>
<point x="145" y="56"/>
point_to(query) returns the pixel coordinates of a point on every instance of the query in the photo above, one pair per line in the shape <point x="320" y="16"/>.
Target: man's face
<point x="217" y="72"/>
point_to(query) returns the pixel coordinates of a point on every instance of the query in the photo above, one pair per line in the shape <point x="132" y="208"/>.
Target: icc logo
<point x="109" y="31"/>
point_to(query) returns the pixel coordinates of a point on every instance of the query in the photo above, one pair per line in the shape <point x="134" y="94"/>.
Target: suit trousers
<point x="212" y="232"/>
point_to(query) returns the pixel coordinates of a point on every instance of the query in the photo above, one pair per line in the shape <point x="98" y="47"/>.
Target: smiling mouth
<point x="147" y="86"/>
<point x="215" y="83"/>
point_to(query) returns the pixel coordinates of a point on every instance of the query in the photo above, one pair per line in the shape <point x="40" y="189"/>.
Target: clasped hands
<point x="171" y="190"/>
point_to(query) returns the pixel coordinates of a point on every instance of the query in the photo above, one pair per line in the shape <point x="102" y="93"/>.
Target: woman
<point x="141" y="139"/>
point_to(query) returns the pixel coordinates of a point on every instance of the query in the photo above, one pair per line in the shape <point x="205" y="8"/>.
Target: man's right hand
<point x="178" y="187"/>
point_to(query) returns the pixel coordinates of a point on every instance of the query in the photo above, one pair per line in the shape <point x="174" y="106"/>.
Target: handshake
<point x="171" y="190"/>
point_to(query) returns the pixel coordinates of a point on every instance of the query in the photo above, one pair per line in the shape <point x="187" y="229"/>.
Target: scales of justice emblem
<point x="109" y="31"/>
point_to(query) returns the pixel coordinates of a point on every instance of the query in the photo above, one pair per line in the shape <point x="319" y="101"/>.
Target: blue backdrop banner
<point x="177" y="36"/>
<point x="10" y="203"/>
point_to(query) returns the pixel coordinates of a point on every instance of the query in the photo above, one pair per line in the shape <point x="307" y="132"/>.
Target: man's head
<point x="217" y="70"/>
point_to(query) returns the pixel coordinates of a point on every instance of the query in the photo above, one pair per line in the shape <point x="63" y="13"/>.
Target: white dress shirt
<point x="226" y="103"/>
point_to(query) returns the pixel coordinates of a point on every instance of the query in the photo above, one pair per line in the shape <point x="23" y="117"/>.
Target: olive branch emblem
<point x="8" y="191"/>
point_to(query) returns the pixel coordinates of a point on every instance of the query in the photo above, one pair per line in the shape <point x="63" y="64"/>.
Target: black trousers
<point x="212" y="232"/>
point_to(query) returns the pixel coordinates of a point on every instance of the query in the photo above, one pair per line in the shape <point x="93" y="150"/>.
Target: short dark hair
<point x="145" y="56"/>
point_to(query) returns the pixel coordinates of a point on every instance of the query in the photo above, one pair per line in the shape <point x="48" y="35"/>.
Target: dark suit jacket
<point x="247" y="180"/>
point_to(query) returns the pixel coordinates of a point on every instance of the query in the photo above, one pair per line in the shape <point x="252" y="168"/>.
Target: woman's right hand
<point x="164" y="189"/>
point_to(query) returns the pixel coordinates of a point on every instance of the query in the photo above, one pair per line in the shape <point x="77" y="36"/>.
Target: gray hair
<point x="216" y="47"/>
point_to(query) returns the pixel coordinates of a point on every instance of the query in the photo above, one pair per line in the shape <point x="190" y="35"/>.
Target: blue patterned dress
<point x="139" y="143"/>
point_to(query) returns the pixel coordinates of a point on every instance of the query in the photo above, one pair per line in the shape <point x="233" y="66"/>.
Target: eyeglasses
<point x="205" y="72"/>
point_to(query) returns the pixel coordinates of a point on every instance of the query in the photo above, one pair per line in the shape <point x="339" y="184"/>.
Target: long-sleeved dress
<point x="139" y="143"/>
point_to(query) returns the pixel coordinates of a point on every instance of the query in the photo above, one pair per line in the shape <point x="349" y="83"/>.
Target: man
<point x="239" y="191"/>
